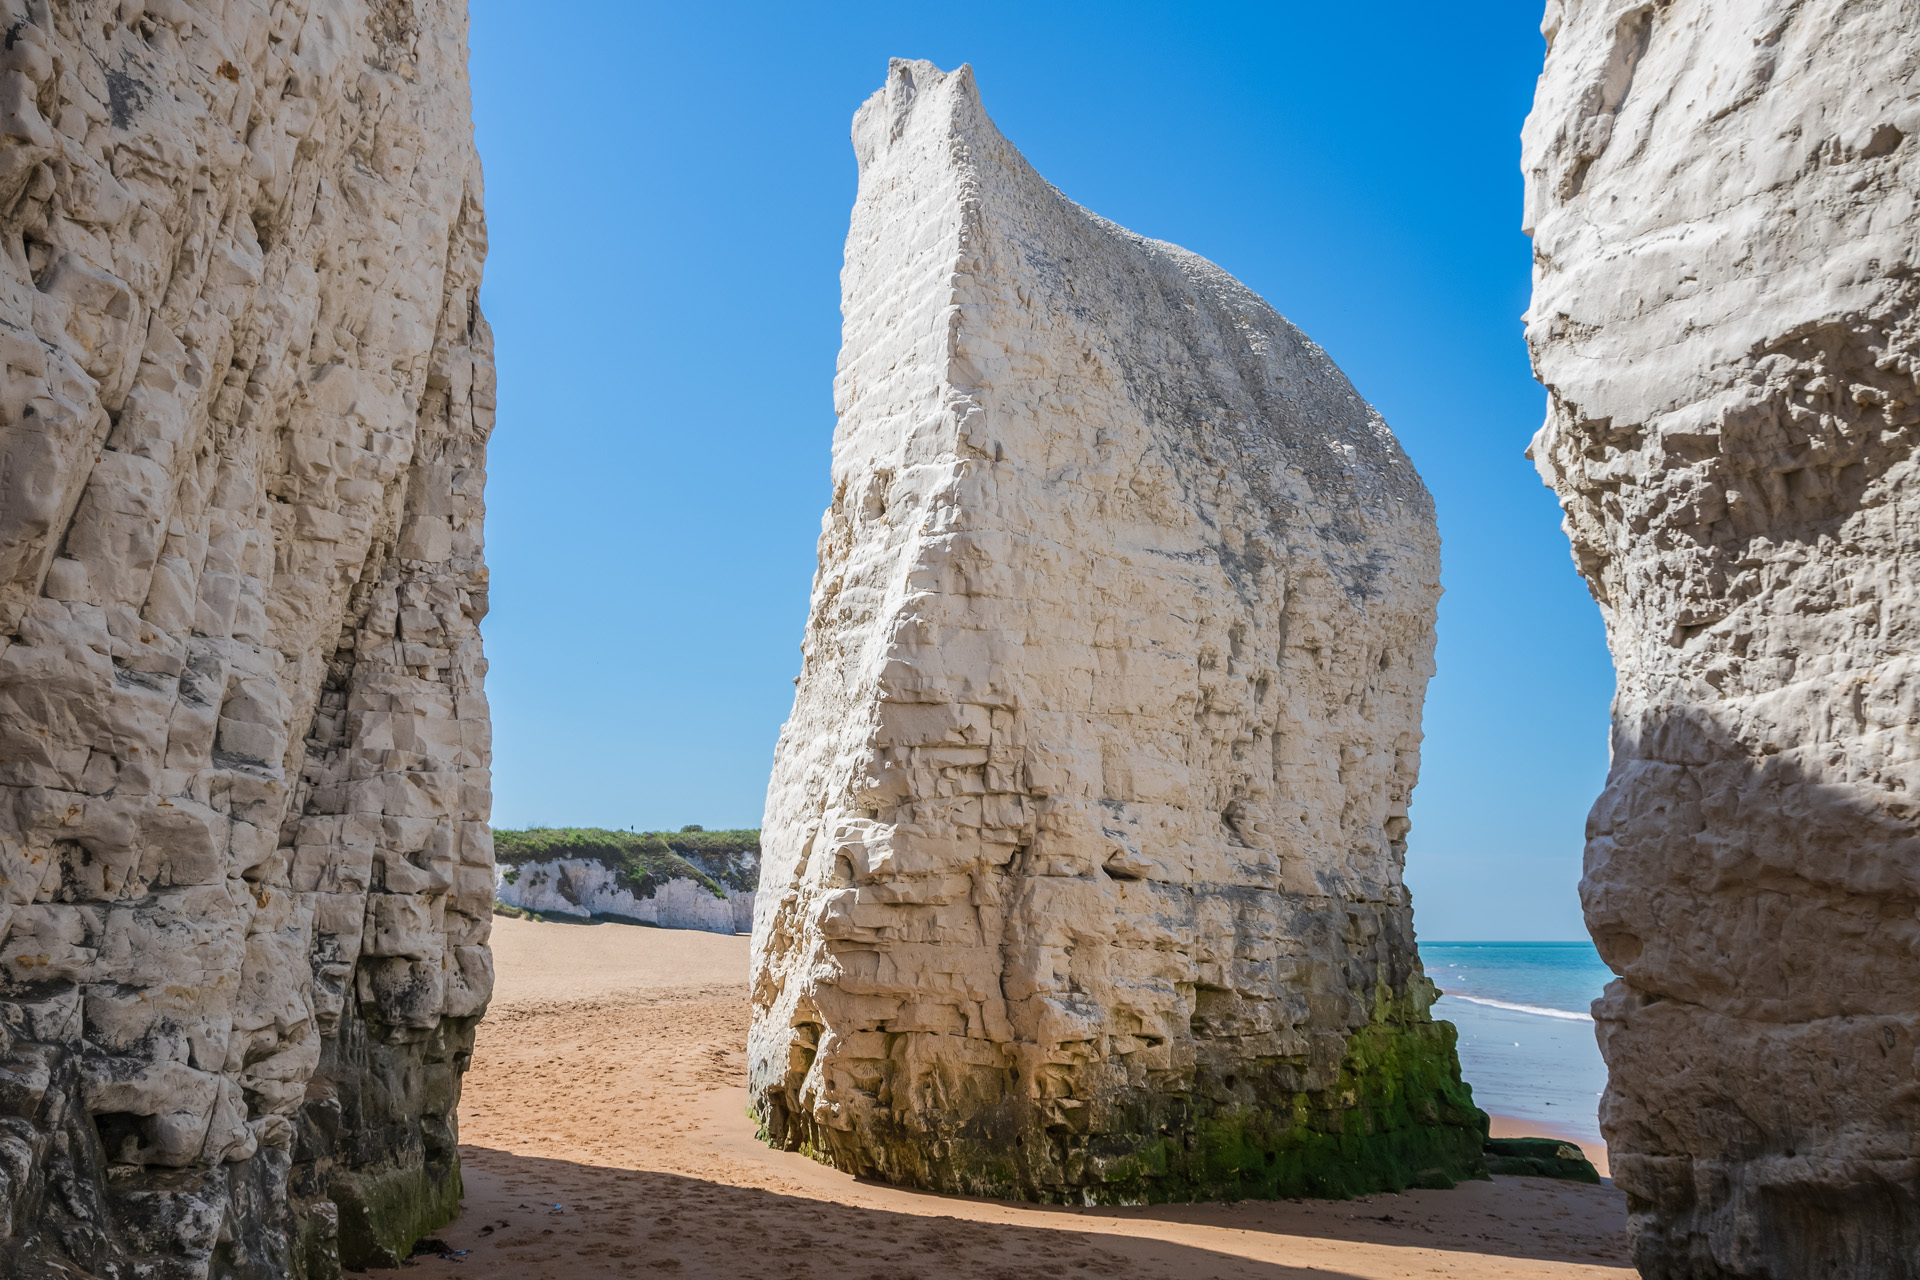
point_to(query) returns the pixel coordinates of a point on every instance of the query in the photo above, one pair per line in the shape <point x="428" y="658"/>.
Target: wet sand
<point x="605" y="1134"/>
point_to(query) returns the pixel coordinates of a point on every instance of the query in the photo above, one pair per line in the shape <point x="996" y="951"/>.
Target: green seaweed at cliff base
<point x="1398" y="1116"/>
<point x="383" y="1212"/>
<point x="1540" y="1158"/>
<point x="1413" y="1124"/>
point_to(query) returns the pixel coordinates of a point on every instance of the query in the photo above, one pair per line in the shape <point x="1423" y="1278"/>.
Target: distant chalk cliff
<point x="691" y="879"/>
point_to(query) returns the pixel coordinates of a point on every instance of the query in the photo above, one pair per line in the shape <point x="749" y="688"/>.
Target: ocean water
<point x="1526" y="1036"/>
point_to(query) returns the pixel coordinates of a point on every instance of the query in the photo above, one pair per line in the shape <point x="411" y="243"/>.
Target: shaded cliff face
<point x="1722" y="198"/>
<point x="245" y="872"/>
<point x="1082" y="854"/>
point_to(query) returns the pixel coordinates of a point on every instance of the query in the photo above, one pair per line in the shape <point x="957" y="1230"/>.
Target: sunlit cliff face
<point x="245" y="871"/>
<point x="1084" y="840"/>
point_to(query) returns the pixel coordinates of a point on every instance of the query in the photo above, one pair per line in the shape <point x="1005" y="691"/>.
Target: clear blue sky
<point x="668" y="189"/>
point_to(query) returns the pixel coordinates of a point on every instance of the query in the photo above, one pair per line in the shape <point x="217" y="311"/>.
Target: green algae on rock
<point x="1539" y="1158"/>
<point x="1399" y="1116"/>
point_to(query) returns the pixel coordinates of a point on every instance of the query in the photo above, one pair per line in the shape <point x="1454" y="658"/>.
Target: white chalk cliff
<point x="584" y="888"/>
<point x="1723" y="201"/>
<point x="245" y="869"/>
<point x="1083" y="848"/>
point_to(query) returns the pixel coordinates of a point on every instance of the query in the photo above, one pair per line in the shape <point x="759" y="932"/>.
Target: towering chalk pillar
<point x="1723" y="203"/>
<point x="1082" y="860"/>
<point x="245" y="869"/>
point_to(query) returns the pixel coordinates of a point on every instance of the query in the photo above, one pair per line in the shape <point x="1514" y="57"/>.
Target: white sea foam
<point x="1534" y="1009"/>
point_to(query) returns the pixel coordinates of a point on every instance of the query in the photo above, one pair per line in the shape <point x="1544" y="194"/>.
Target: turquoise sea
<point x="1526" y="1035"/>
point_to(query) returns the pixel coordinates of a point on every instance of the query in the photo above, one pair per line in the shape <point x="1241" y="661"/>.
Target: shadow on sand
<point x="530" y="1218"/>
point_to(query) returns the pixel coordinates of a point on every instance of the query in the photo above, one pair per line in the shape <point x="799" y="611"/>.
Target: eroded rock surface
<point x="245" y="871"/>
<point x="1723" y="202"/>
<point x="1082" y="855"/>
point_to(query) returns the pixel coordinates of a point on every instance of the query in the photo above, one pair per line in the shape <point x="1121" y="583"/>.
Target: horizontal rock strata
<point x="1723" y="200"/>
<point x="245" y="869"/>
<point x="1083" y="847"/>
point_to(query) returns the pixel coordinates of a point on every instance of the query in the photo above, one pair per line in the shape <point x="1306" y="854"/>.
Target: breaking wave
<point x="1534" y="1009"/>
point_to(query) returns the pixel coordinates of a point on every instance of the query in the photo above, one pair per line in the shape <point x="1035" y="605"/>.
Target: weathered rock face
<point x="245" y="871"/>
<point x="1083" y="846"/>
<point x="1723" y="200"/>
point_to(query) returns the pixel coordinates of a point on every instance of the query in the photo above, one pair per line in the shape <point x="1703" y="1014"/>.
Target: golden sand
<point x="605" y="1134"/>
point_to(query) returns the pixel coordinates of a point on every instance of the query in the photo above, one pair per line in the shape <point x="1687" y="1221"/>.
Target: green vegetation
<point x="1397" y="1116"/>
<point x="384" y="1211"/>
<point x="1414" y="1125"/>
<point x="642" y="861"/>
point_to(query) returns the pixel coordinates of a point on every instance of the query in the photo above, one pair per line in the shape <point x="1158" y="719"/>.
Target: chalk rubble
<point x="1723" y="203"/>
<point x="245" y="869"/>
<point x="1083" y="847"/>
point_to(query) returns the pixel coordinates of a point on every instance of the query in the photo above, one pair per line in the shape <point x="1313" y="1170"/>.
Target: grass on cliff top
<point x="641" y="860"/>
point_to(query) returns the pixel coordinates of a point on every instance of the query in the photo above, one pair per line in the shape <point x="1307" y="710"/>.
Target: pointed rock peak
<point x="917" y="94"/>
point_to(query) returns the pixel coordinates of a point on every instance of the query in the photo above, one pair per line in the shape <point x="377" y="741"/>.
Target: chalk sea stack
<point x="1082" y="854"/>
<point x="245" y="869"/>
<point x="1723" y="201"/>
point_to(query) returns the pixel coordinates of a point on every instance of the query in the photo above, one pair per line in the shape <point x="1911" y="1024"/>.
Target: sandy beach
<point x="605" y="1133"/>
